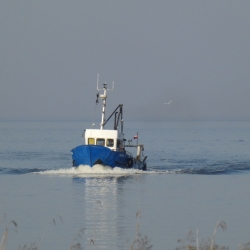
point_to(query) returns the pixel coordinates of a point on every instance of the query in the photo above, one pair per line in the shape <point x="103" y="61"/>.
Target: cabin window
<point x="118" y="143"/>
<point x="91" y="141"/>
<point x="100" y="141"/>
<point x="110" y="142"/>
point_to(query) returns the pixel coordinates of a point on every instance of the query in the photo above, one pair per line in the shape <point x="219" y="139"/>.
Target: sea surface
<point x="198" y="174"/>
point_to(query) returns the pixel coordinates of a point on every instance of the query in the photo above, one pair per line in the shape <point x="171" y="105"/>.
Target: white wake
<point x="96" y="170"/>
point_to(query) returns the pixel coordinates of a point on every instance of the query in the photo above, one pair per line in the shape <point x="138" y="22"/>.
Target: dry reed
<point x="139" y="243"/>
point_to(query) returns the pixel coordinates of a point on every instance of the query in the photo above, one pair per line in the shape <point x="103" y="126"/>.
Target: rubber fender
<point x="130" y="163"/>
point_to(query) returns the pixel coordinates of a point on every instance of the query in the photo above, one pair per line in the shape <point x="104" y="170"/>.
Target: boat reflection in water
<point x="104" y="209"/>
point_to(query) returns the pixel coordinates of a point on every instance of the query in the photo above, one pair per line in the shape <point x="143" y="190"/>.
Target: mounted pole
<point x="103" y="97"/>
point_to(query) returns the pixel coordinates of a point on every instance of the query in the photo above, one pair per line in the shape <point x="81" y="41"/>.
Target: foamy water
<point x="96" y="170"/>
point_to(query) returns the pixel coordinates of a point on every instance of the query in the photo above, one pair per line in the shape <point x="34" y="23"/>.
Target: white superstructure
<point x="104" y="137"/>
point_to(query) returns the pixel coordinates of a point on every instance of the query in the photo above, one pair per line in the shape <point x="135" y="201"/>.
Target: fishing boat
<point x="108" y="146"/>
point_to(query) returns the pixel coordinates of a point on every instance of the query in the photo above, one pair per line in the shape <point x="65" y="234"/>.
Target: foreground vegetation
<point x="191" y="242"/>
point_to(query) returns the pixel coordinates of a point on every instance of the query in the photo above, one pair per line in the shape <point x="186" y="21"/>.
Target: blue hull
<point x="94" y="154"/>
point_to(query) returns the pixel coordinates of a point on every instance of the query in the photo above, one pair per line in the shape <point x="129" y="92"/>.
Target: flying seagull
<point x="167" y="102"/>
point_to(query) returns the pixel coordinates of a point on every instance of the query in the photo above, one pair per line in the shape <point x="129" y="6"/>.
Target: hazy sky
<point x="196" y="53"/>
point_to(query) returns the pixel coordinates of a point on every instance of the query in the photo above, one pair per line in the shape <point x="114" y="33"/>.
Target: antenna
<point x="104" y="85"/>
<point x="97" y="95"/>
<point x="97" y="82"/>
<point x="113" y="86"/>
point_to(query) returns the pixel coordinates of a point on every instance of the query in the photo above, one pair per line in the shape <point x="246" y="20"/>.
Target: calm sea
<point x="198" y="174"/>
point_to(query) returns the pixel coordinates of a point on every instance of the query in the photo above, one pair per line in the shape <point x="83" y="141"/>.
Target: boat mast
<point x="103" y="97"/>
